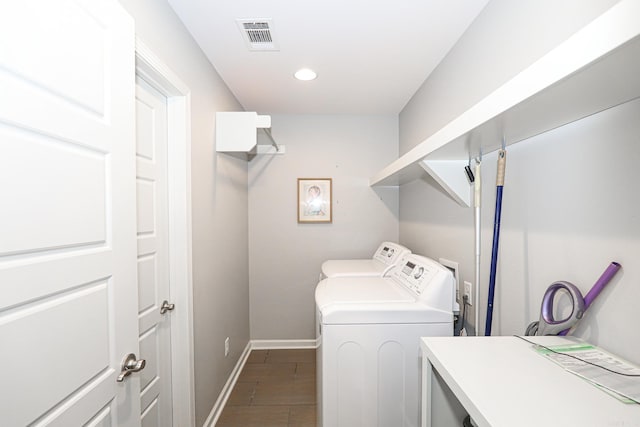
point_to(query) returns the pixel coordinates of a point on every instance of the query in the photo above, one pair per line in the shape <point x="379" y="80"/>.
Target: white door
<point x="153" y="255"/>
<point x="68" y="299"/>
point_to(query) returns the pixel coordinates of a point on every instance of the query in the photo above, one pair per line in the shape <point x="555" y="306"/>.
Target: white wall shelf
<point x="595" y="69"/>
<point x="236" y="132"/>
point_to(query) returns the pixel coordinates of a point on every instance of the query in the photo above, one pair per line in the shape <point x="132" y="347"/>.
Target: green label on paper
<point x="564" y="348"/>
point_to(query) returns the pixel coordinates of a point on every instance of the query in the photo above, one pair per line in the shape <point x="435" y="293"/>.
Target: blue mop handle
<point x="502" y="160"/>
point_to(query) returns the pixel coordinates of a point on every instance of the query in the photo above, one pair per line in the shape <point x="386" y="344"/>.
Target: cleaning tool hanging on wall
<point x="548" y="325"/>
<point x="474" y="178"/>
<point x="502" y="161"/>
<point x="477" y="197"/>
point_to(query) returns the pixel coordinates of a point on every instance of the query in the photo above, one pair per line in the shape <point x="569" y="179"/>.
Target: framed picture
<point x="314" y="200"/>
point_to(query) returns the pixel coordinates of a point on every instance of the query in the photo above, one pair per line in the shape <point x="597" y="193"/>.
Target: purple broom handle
<point x="595" y="290"/>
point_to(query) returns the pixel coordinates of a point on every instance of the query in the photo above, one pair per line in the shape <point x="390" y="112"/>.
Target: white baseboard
<point x="216" y="411"/>
<point x="282" y="344"/>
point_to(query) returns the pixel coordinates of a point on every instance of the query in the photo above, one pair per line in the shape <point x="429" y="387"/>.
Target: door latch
<point x="166" y="307"/>
<point x="129" y="365"/>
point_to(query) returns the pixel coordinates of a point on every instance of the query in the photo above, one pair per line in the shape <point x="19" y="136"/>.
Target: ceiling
<point x="370" y="55"/>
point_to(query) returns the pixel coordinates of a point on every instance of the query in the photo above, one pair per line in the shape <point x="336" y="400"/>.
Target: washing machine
<point x="386" y="256"/>
<point x="368" y="330"/>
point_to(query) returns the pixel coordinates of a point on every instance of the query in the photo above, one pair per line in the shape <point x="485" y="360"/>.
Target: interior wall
<point x="219" y="205"/>
<point x="568" y="210"/>
<point x="285" y="256"/>
<point x="506" y="37"/>
<point x="568" y="207"/>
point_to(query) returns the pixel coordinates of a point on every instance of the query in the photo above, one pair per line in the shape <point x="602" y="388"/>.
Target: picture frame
<point x="315" y="200"/>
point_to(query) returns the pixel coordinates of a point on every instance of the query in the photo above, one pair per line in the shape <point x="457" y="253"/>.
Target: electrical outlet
<point x="468" y="292"/>
<point x="226" y="347"/>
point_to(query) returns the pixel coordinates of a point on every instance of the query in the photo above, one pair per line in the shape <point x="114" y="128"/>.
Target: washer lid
<point x="353" y="268"/>
<point x="373" y="300"/>
<point x="360" y="290"/>
<point x="385" y="314"/>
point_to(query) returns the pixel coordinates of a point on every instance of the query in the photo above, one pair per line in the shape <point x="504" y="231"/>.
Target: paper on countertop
<point x="627" y="387"/>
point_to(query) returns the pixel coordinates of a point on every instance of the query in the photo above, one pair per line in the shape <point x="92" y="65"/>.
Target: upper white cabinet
<point x="597" y="68"/>
<point x="237" y="132"/>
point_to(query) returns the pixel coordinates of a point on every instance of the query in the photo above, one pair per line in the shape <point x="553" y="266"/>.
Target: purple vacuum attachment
<point x="606" y="277"/>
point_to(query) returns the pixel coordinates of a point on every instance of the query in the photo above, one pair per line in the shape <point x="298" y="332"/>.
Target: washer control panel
<point x="390" y="253"/>
<point x="417" y="272"/>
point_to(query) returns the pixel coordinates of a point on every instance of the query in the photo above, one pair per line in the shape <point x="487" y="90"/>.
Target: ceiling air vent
<point x="258" y="33"/>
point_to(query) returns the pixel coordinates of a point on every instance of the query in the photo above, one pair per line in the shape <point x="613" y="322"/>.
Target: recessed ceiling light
<point x="305" y="74"/>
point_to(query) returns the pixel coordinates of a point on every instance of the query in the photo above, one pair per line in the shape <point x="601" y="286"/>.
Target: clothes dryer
<point x="368" y="332"/>
<point x="386" y="256"/>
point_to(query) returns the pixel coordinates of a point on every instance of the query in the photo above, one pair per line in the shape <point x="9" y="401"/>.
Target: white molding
<point x="156" y="73"/>
<point x="217" y="409"/>
<point x="282" y="344"/>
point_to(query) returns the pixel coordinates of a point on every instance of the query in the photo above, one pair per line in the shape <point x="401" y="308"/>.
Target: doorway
<point x="162" y="80"/>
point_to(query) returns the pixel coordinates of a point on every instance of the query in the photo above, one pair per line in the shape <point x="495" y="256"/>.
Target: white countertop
<point x="504" y="382"/>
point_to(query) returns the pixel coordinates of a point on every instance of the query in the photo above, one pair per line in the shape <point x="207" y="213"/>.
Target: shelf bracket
<point x="451" y="177"/>
<point x="273" y="141"/>
<point x="269" y="149"/>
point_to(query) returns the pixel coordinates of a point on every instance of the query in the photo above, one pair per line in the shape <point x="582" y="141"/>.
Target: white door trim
<point x="156" y="73"/>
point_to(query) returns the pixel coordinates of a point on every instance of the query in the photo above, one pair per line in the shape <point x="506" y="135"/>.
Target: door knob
<point x="166" y="307"/>
<point x="129" y="365"/>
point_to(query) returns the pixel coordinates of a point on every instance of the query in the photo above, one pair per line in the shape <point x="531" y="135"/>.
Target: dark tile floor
<point x="276" y="388"/>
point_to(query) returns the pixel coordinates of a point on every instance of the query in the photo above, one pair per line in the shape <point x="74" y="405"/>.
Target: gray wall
<point x="569" y="206"/>
<point x="219" y="196"/>
<point x="285" y="256"/>
<point x="504" y="39"/>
